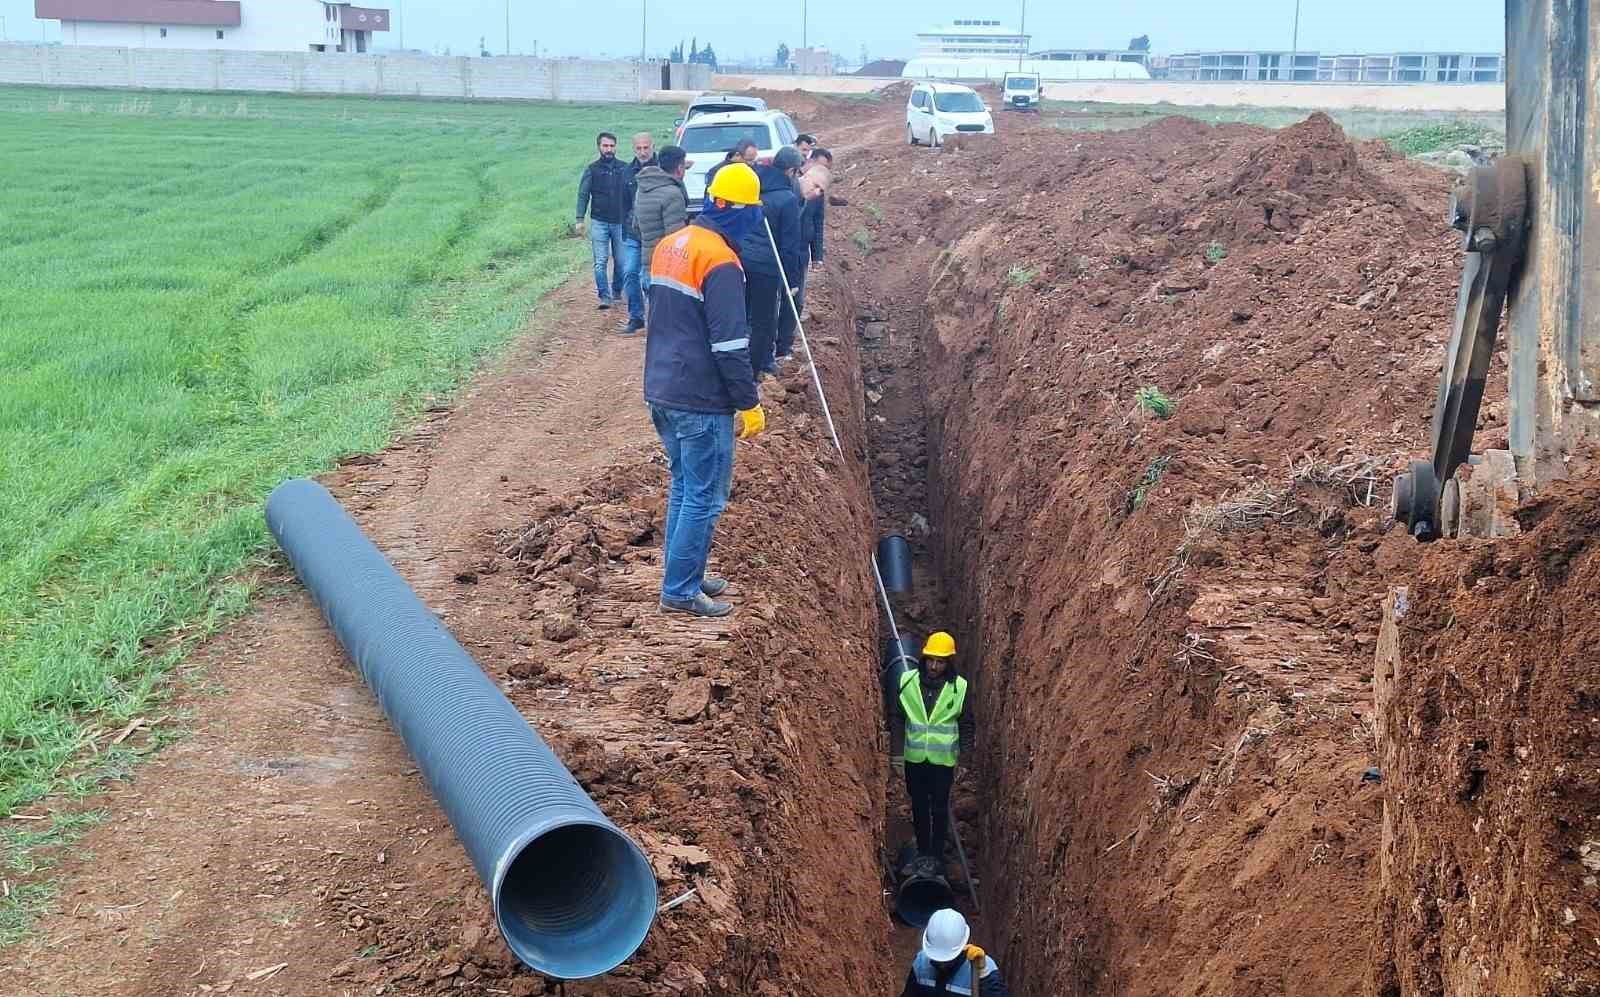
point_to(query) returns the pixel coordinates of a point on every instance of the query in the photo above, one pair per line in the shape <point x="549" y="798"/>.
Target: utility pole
<point x="508" y="27"/>
<point x="1294" y="52"/>
<point x="1024" y="32"/>
<point x="805" y="20"/>
<point x="644" y="24"/>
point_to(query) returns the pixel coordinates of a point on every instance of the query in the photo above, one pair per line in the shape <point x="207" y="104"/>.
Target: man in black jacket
<point x="763" y="280"/>
<point x="603" y="196"/>
<point x="813" y="217"/>
<point x="644" y="154"/>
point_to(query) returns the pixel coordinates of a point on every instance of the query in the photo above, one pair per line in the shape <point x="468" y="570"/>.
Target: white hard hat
<point x="945" y="937"/>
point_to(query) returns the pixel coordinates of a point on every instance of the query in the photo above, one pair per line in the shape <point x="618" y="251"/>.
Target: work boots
<point x="700" y="605"/>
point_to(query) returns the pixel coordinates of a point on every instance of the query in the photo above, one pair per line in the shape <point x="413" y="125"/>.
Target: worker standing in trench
<point x="947" y="966"/>
<point x="929" y="731"/>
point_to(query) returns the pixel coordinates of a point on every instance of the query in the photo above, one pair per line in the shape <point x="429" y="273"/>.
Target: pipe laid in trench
<point x="894" y="561"/>
<point x="574" y="897"/>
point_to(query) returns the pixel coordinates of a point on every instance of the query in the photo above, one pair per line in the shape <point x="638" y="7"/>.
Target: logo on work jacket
<point x="682" y="263"/>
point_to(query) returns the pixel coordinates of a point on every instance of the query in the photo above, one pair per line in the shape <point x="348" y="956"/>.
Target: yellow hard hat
<point x="939" y="645"/>
<point x="736" y="183"/>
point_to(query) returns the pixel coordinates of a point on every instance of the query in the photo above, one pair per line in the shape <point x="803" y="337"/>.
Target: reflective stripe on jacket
<point x="697" y="344"/>
<point x="932" y="738"/>
<point x="923" y="980"/>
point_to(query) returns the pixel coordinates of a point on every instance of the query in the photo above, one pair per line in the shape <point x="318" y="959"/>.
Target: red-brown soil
<point x="1170" y="623"/>
<point x="1491" y="730"/>
<point x="1173" y="621"/>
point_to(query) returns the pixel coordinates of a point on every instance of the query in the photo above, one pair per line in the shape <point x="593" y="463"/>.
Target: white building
<point x="987" y="50"/>
<point x="811" y="61"/>
<point x="1057" y="70"/>
<point x="969" y="39"/>
<point x="1315" y="67"/>
<point x="255" y="25"/>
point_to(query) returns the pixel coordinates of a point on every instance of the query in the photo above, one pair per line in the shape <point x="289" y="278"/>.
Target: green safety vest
<point x="936" y="739"/>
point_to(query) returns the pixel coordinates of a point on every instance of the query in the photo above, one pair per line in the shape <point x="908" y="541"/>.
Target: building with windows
<point x="970" y="39"/>
<point x="252" y="25"/>
<point x="987" y="50"/>
<point x="1315" y="67"/>
<point x="1093" y="55"/>
<point x="812" y="61"/>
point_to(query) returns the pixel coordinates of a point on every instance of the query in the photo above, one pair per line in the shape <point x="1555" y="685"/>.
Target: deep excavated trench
<point x="1170" y="622"/>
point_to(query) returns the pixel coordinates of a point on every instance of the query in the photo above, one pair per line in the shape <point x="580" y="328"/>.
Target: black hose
<point x="573" y="895"/>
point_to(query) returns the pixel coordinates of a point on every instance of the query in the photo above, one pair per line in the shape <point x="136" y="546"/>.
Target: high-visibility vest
<point x="934" y="739"/>
<point x="967" y="980"/>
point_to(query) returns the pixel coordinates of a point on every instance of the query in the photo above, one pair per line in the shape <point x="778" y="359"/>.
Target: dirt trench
<point x="1170" y="609"/>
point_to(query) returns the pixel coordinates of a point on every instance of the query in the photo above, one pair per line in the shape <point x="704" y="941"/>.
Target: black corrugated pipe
<point x="573" y="895"/>
<point x="919" y="896"/>
<point x="894" y="561"/>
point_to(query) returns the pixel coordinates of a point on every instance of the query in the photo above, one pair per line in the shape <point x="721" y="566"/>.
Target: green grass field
<point x="1410" y="132"/>
<point x="201" y="295"/>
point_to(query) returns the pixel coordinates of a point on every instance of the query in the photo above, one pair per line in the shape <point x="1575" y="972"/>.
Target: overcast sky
<point x="887" y="27"/>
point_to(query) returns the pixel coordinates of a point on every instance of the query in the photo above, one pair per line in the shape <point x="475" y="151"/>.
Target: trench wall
<point x="1490" y="744"/>
<point x="1174" y="705"/>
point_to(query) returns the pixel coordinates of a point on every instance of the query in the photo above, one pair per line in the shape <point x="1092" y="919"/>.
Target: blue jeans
<point x="700" y="453"/>
<point x="632" y="282"/>
<point x="605" y="240"/>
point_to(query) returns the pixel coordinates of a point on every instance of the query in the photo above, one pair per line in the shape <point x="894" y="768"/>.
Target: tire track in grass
<point x="217" y="368"/>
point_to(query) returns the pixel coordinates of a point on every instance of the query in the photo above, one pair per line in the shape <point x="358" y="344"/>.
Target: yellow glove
<point x="975" y="956"/>
<point x="751" y="422"/>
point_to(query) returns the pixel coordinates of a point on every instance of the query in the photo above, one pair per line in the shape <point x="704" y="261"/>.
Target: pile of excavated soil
<point x="1174" y="617"/>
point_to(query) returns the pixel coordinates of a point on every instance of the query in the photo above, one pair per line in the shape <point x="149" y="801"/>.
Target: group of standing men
<point x="623" y="228"/>
<point x="631" y="206"/>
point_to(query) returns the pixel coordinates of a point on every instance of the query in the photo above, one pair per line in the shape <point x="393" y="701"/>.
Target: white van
<point x="939" y="109"/>
<point x="1021" y="92"/>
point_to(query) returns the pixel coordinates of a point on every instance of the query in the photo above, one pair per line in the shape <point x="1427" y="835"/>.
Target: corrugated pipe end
<point x="918" y="898"/>
<point x="573" y="895"/>
<point x="574" y="900"/>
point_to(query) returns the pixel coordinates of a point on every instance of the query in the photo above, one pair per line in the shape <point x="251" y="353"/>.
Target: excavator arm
<point x="1531" y="225"/>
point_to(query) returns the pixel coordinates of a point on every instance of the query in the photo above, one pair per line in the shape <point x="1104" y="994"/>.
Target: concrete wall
<point x="511" y="78"/>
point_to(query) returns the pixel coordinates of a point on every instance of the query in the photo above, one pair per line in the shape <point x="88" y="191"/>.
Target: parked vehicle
<point x="1021" y="92"/>
<point x="936" y="110"/>
<point x="709" y="136"/>
<point x="715" y="103"/>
